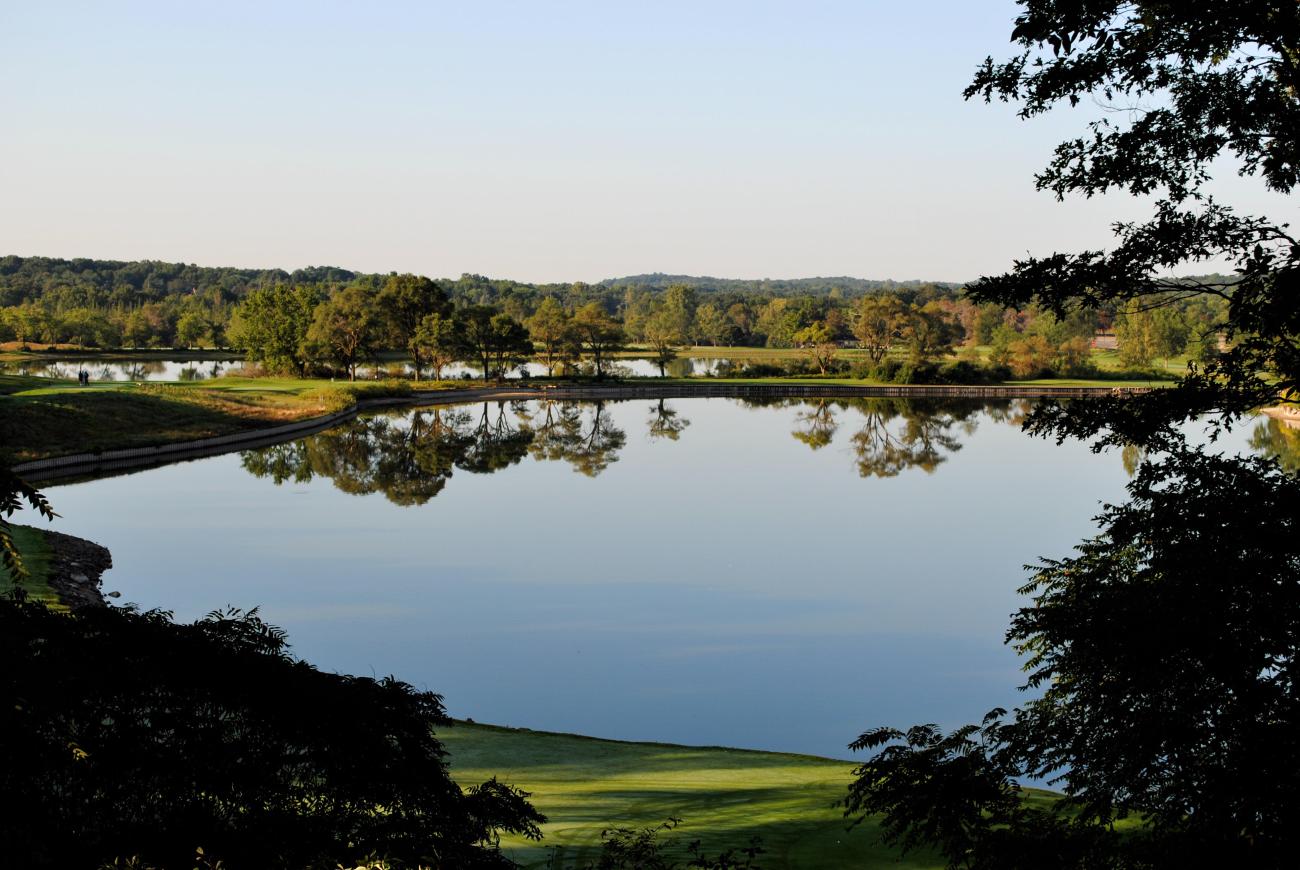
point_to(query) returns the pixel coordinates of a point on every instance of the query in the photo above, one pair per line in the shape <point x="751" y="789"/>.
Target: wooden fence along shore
<point x="82" y="464"/>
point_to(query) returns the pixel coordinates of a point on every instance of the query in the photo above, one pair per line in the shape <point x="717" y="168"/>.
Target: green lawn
<point x="41" y="417"/>
<point x="723" y="796"/>
<point x="35" y="553"/>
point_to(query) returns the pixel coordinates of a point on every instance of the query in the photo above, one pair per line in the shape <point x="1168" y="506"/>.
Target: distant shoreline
<point x="141" y="457"/>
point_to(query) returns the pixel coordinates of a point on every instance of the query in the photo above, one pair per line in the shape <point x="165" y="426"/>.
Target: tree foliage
<point x="878" y="324"/>
<point x="1199" y="80"/>
<point x="407" y="302"/>
<point x="495" y="340"/>
<point x="1163" y="656"/>
<point x="126" y="734"/>
<point x="271" y="326"/>
<point x="14" y="493"/>
<point x="344" y="329"/>
<point x="599" y="334"/>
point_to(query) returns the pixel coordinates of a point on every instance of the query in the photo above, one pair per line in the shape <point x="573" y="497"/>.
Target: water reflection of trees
<point x="1278" y="440"/>
<point x="897" y="434"/>
<point x="816" y="423"/>
<point x="582" y="435"/>
<point x="894" y="434"/>
<point x="666" y="421"/>
<point x="411" y="461"/>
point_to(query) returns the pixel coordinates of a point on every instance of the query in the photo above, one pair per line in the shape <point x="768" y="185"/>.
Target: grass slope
<point x="36" y="555"/>
<point x="42" y="417"/>
<point x="723" y="796"/>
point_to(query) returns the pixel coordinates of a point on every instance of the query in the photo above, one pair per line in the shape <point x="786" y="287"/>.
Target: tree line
<point x="1162" y="655"/>
<point x="327" y="317"/>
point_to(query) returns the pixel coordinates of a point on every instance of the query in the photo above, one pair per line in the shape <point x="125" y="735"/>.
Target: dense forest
<point x="149" y="303"/>
<point x="324" y="319"/>
<point x="779" y="286"/>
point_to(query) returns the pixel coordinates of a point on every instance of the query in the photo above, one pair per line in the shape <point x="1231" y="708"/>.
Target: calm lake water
<point x="144" y="369"/>
<point x="155" y="369"/>
<point x="702" y="571"/>
<point x="682" y="367"/>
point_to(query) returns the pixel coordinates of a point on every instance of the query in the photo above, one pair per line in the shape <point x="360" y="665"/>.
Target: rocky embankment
<point x="76" y="566"/>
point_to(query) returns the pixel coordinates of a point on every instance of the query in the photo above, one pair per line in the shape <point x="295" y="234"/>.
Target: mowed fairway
<point x="723" y="797"/>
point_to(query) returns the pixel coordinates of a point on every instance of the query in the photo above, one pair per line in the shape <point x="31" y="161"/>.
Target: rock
<point x="115" y="594"/>
<point x="76" y="566"/>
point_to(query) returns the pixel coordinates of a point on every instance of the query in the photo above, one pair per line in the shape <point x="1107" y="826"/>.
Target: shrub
<point x="127" y="734"/>
<point x="966" y="372"/>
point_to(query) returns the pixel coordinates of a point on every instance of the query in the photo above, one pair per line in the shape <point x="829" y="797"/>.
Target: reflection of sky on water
<point x="643" y="368"/>
<point x="732" y="586"/>
<point x="123" y="370"/>
<point x="153" y="369"/>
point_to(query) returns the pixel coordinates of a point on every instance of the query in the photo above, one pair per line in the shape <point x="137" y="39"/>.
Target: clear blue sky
<point x="534" y="140"/>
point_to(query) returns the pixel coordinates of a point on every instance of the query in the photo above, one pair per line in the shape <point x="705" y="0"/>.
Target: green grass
<point x="36" y="556"/>
<point x="55" y="422"/>
<point x="723" y="796"/>
<point x="41" y="417"/>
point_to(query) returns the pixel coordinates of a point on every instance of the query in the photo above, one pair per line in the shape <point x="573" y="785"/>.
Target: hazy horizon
<point x="604" y="280"/>
<point x="569" y="142"/>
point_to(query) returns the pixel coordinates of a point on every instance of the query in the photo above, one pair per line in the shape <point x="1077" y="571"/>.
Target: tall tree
<point x="680" y="301"/>
<point x="818" y="342"/>
<point x="878" y="323"/>
<point x="497" y="341"/>
<point x="551" y="327"/>
<point x="190" y="328"/>
<point x="663" y="335"/>
<point x="1164" y="655"/>
<point x="438" y="343"/>
<point x="712" y="325"/>
<point x="1199" y="80"/>
<point x="271" y="325"/>
<point x="345" y="328"/>
<point x="600" y="334"/>
<point x="406" y="300"/>
<point x="929" y="332"/>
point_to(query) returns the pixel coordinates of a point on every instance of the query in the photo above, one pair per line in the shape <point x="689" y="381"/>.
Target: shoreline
<point x="76" y="569"/>
<point x="40" y="470"/>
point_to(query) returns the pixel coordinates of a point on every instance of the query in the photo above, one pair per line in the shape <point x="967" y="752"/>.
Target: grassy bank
<point x="723" y="796"/>
<point x="44" y="417"/>
<point x="41" y="417"/>
<point x="36" y="555"/>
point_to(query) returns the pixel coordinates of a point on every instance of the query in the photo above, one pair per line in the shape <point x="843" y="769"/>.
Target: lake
<point x="702" y="571"/>
<point x="124" y="369"/>
<point x="160" y="369"/>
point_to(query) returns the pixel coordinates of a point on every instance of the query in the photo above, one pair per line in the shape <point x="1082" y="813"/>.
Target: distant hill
<point x="84" y="281"/>
<point x="778" y="286"/>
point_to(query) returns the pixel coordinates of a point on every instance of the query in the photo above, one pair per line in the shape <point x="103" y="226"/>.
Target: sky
<point x="540" y="141"/>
